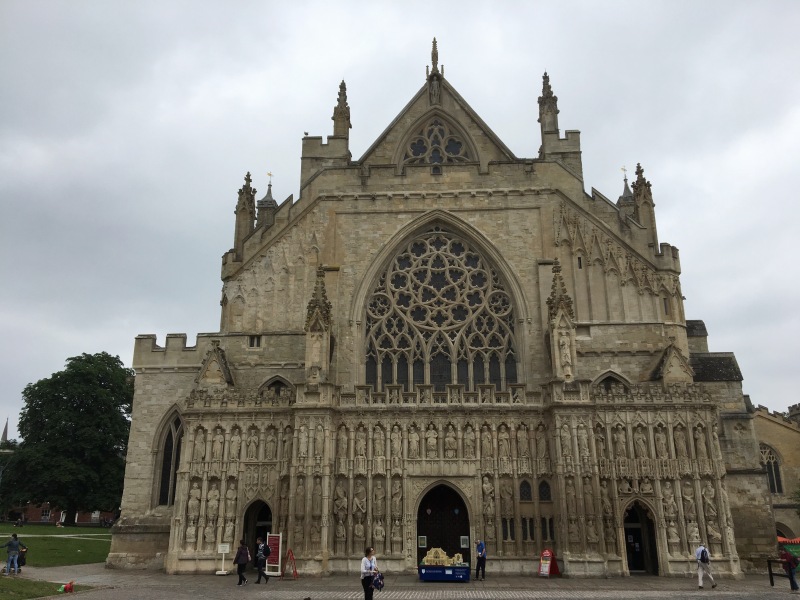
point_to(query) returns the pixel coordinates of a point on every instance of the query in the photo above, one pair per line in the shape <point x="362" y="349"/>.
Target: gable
<point x="479" y="144"/>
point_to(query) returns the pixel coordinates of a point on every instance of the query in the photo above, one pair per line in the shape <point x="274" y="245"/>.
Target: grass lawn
<point x="48" y="546"/>
<point x="17" y="588"/>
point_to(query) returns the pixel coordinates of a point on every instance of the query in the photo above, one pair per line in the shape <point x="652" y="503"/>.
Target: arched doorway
<point x="257" y="522"/>
<point x="443" y="522"/>
<point x="640" y="541"/>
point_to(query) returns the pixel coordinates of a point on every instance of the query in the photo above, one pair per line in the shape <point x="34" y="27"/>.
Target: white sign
<point x="223" y="548"/>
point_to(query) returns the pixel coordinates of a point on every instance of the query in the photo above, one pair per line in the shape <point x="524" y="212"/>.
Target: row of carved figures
<point x="454" y="442"/>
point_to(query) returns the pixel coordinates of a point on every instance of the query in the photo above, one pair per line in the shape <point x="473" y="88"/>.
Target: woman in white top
<point x="369" y="567"/>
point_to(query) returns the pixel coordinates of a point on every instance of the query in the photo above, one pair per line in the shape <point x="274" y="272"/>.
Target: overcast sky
<point x="126" y="129"/>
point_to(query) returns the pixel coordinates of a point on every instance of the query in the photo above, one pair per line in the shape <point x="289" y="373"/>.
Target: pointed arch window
<point x="440" y="315"/>
<point x="170" y="460"/>
<point x="436" y="143"/>
<point x="770" y="461"/>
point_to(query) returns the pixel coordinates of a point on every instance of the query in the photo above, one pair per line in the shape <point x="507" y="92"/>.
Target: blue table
<point x="441" y="573"/>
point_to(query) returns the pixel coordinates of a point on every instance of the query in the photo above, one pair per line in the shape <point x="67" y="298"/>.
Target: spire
<point x="641" y="187"/>
<point x="4" y="438"/>
<point x="319" y="308"/>
<point x="266" y="207"/>
<point x="645" y="207"/>
<point x="245" y="214"/>
<point x="548" y="106"/>
<point x="341" y="113"/>
<point x="434" y="77"/>
<point x="559" y="299"/>
<point x="627" y="194"/>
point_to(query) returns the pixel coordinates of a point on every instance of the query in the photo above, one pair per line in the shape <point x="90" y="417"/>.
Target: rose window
<point x="440" y="315"/>
<point x="435" y="143"/>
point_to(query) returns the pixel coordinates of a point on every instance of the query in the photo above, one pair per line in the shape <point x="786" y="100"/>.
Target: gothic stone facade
<point x="443" y="326"/>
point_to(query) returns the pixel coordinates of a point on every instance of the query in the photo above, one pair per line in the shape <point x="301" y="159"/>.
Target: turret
<point x="565" y="150"/>
<point x="245" y="216"/>
<point x="626" y="203"/>
<point x="267" y="207"/>
<point x="645" y="212"/>
<point x="316" y="155"/>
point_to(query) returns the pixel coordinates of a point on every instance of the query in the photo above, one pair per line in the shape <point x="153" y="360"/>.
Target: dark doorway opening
<point x="257" y="523"/>
<point x="443" y="522"/>
<point x="640" y="541"/>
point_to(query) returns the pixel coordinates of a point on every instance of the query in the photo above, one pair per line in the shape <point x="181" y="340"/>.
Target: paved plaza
<point x="137" y="585"/>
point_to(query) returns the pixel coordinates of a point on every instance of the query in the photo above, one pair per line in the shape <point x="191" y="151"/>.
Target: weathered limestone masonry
<point x="437" y="343"/>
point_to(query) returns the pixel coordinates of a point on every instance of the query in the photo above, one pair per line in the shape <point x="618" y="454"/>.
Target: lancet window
<point x="773" y="466"/>
<point x="440" y="315"/>
<point x="170" y="459"/>
<point x="436" y="143"/>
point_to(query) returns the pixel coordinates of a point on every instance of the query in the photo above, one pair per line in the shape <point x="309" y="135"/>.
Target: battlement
<point x="785" y="418"/>
<point x="174" y="352"/>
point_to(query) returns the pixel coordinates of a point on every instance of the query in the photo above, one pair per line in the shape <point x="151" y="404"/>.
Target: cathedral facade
<point x="438" y="343"/>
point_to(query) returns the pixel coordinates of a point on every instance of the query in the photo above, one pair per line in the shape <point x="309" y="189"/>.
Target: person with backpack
<point x="369" y="568"/>
<point x="240" y="560"/>
<point x="790" y="563"/>
<point x="703" y="566"/>
<point x="262" y="553"/>
<point x="12" y="547"/>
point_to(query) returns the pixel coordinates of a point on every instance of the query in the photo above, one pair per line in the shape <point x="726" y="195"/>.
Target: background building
<point x="441" y="342"/>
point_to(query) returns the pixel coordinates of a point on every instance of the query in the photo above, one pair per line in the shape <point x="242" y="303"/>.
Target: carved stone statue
<point x="230" y="501"/>
<point x="714" y="534"/>
<point x="341" y="443"/>
<point x="688" y="501"/>
<point x="272" y="444"/>
<point x="672" y="533"/>
<point x="316" y="499"/>
<point x="431" y="442"/>
<point x="252" y="445"/>
<point x="572" y="506"/>
<point x="227" y="535"/>
<point x="319" y="441"/>
<point x="670" y="506"/>
<point x="605" y="501"/>
<point x="486" y="442"/>
<point x="413" y="442"/>
<point x="284" y="499"/>
<point x="378" y="443"/>
<point x="236" y="445"/>
<point x="397" y="497"/>
<point x="302" y="439"/>
<point x="565" y="353"/>
<point x="340" y="501"/>
<point x="661" y="443"/>
<point x="217" y="445"/>
<point x="212" y="501"/>
<point x="506" y="498"/>
<point x="298" y="532"/>
<point x="488" y="496"/>
<point x="600" y="442"/>
<point x="716" y="449"/>
<point x="361" y="442"/>
<point x="210" y="534"/>
<point x="542" y="451"/>
<point x="583" y="442"/>
<point x="646" y="487"/>
<point x="709" y="506"/>
<point x="450" y="443"/>
<point x="692" y="531"/>
<point x="287" y="444"/>
<point x="379" y="499"/>
<point x="397" y="447"/>
<point x="360" y="498"/>
<point x="199" y="445"/>
<point x="640" y="443"/>
<point x="680" y="442"/>
<point x="191" y="533"/>
<point x="588" y="496"/>
<point x="341" y="533"/>
<point x="378" y="532"/>
<point x="625" y="487"/>
<point x="523" y="448"/>
<point x="566" y="440"/>
<point x="504" y="442"/>
<point x="193" y="506"/>
<point x="591" y="531"/>
<point x="620" y="443"/>
<point x="300" y="498"/>
<point x="700" y="444"/>
<point x="469" y="442"/>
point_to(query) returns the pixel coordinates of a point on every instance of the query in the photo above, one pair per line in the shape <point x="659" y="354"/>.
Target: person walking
<point x="480" y="565"/>
<point x="790" y="563"/>
<point x="262" y="552"/>
<point x="240" y="560"/>
<point x="12" y="547"/>
<point x="369" y="567"/>
<point x="703" y="566"/>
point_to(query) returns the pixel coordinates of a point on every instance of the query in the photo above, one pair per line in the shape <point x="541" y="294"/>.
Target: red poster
<point x="275" y="549"/>
<point x="545" y="563"/>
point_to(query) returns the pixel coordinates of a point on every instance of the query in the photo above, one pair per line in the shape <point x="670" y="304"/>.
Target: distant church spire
<point x="4" y="438"/>
<point x="645" y="207"/>
<point x="341" y="113"/>
<point x="245" y="214"/>
<point x="548" y="107"/>
<point x="266" y="207"/>
<point x="435" y="57"/>
<point x="559" y="298"/>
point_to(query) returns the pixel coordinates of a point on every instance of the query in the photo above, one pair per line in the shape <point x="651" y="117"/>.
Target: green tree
<point x="74" y="430"/>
